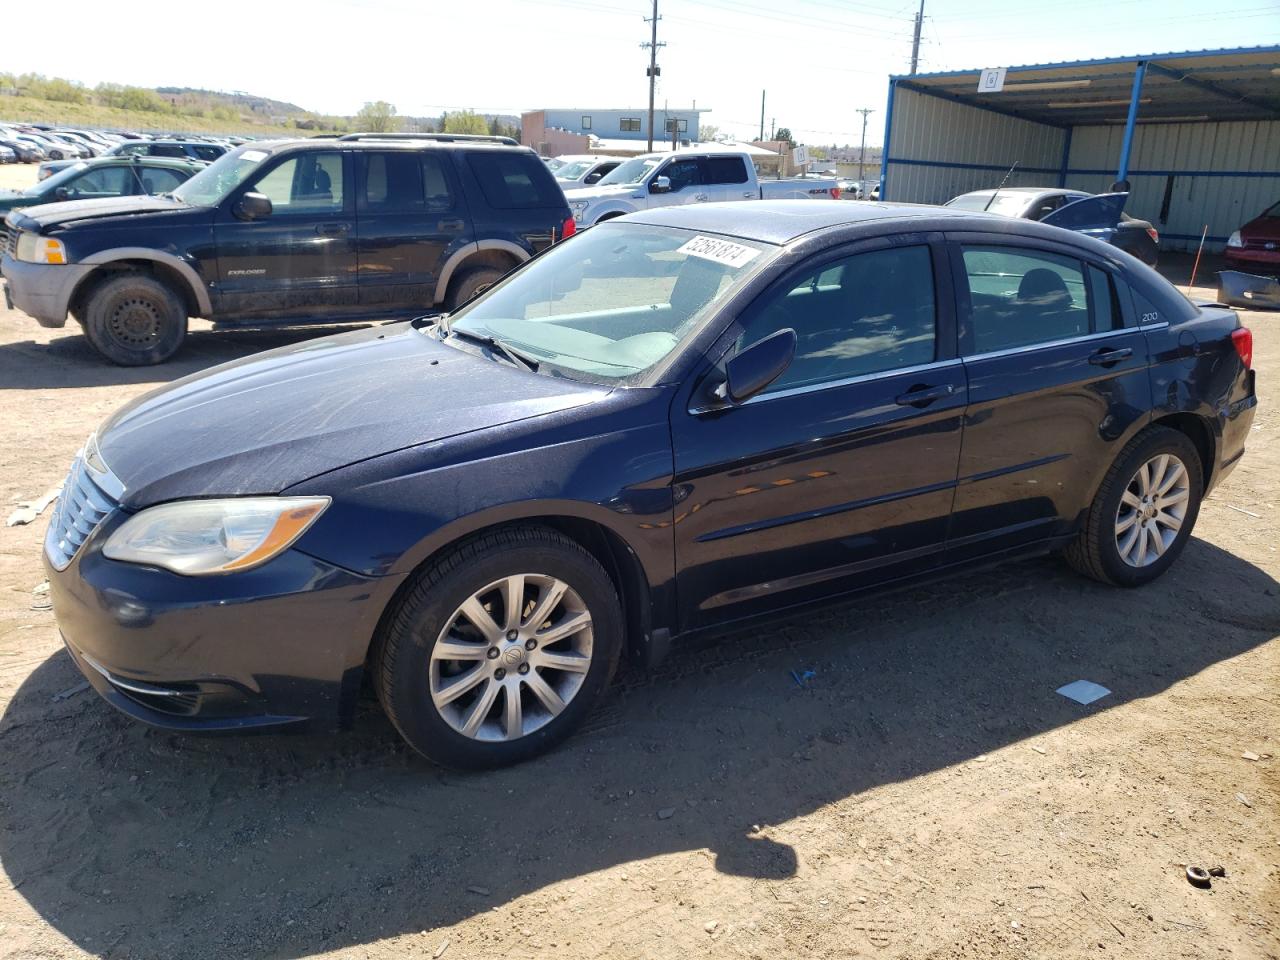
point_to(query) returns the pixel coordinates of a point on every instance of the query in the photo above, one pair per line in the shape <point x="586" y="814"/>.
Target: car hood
<point x="68" y="212"/>
<point x="1261" y="228"/>
<point x="267" y="422"/>
<point x="599" y="193"/>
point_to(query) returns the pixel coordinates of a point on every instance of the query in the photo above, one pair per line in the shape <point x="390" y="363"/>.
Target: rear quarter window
<point x="515" y="181"/>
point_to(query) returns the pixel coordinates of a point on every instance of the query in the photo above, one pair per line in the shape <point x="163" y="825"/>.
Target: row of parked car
<point x="37" y="143"/>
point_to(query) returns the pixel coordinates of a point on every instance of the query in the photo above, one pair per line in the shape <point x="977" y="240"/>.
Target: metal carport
<point x="1196" y="135"/>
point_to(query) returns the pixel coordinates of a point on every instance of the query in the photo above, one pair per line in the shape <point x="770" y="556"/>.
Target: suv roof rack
<point x="442" y="137"/>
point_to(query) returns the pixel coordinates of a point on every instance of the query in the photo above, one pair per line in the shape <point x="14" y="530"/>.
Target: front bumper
<point x="42" y="290"/>
<point x="280" y="645"/>
<point x="1268" y="261"/>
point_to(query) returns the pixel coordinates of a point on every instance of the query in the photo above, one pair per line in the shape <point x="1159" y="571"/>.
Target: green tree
<point x="784" y="133"/>
<point x="708" y="132"/>
<point x="378" y="117"/>
<point x="465" y="121"/>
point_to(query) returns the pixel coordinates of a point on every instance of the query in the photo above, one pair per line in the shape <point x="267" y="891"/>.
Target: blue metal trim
<point x="1066" y="156"/>
<point x="949" y="97"/>
<point x="888" y="129"/>
<point x="1181" y="173"/>
<point x="951" y="165"/>
<point x="1108" y="61"/>
<point x="1126" y="147"/>
<point x="1191" y="236"/>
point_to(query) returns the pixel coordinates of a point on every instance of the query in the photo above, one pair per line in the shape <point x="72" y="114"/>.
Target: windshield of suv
<point x="613" y="301"/>
<point x="633" y="171"/>
<point x="1005" y="204"/>
<point x="573" y="171"/>
<point x="211" y="185"/>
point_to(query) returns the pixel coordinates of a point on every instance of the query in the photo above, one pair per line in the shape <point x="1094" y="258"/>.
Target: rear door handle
<point x="450" y="225"/>
<point x="1108" y="355"/>
<point x="923" y="395"/>
<point x="332" y="229"/>
<point x="748" y="195"/>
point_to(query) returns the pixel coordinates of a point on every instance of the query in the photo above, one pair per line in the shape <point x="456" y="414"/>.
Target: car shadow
<point x="69" y="361"/>
<point x="138" y="843"/>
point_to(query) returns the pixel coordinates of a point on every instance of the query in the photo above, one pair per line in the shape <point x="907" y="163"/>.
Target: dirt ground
<point x="925" y="794"/>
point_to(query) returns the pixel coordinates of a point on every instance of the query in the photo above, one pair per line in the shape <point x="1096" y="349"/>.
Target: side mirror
<point x="660" y="185"/>
<point x="593" y="177"/>
<point x="62" y="193"/>
<point x="759" y="365"/>
<point x="252" y="206"/>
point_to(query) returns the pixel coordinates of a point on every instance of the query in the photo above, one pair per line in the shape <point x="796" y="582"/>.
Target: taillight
<point x="1243" y="341"/>
<point x="835" y="193"/>
<point x="569" y="229"/>
<point x="1151" y="232"/>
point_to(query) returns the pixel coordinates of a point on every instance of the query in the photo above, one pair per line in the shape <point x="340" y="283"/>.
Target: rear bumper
<point x="41" y="290"/>
<point x="278" y="646"/>
<point x="1235" y="431"/>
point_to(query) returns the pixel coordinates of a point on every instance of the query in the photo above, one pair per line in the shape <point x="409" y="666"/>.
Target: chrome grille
<point x="9" y="240"/>
<point x="82" y="505"/>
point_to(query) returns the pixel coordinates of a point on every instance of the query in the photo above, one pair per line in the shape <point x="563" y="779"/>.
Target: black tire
<point x="471" y="283"/>
<point x="401" y="663"/>
<point x="134" y="320"/>
<point x="1095" y="552"/>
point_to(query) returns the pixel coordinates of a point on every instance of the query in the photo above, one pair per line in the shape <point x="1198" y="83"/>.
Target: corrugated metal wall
<point x="930" y="129"/>
<point x="1180" y="173"/>
<point x="1160" y="167"/>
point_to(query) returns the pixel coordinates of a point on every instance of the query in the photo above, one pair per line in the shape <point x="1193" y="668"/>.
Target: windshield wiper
<point x="517" y="358"/>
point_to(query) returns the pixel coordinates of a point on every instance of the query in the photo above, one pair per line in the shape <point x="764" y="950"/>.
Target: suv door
<point x="842" y="472"/>
<point x="300" y="261"/>
<point x="727" y="179"/>
<point x="1057" y="373"/>
<point x="409" y="219"/>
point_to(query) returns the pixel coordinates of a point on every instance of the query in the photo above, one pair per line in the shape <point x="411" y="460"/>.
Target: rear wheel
<point x="472" y="283"/>
<point x="1143" y="514"/>
<point x="135" y="320"/>
<point x="499" y="649"/>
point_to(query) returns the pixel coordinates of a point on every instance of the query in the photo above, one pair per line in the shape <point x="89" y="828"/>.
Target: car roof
<point x="1020" y="190"/>
<point x="324" y="143"/>
<point x="781" y="221"/>
<point x="181" y="163"/>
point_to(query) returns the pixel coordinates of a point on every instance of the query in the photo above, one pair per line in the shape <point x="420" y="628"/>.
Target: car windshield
<point x="211" y="185"/>
<point x="553" y="163"/>
<point x="633" y="171"/>
<point x="574" y="170"/>
<point x="1005" y="204"/>
<point x="613" y="301"/>
<point x="56" y="180"/>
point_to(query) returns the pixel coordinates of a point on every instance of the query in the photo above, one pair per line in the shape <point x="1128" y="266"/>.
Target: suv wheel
<point x="471" y="284"/>
<point x="499" y="649"/>
<point x="1142" y="516"/>
<point x="135" y="320"/>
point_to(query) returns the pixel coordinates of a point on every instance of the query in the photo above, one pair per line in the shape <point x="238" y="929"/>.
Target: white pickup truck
<point x="687" y="176"/>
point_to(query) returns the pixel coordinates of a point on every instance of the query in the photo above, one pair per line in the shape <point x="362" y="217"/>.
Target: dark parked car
<point x="676" y="421"/>
<point x="177" y="149"/>
<point x="294" y="232"/>
<point x="1103" y="217"/>
<point x="25" y="150"/>
<point x="103" y="177"/>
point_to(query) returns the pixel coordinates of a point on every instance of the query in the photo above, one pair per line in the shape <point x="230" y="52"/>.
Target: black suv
<point x="282" y="233"/>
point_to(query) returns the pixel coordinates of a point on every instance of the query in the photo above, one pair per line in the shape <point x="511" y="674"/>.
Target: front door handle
<point x="332" y="229"/>
<point x="922" y="395"/>
<point x="1110" y="355"/>
<point x="748" y="195"/>
<point x="451" y="225"/>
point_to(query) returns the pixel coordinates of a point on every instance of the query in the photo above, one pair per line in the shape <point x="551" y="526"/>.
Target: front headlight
<point x="33" y="248"/>
<point x="196" y="537"/>
<point x="1235" y="240"/>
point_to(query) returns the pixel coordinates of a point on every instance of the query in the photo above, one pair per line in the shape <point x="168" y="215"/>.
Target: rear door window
<point x="208" y="153"/>
<point x="726" y="170"/>
<point x="515" y="181"/>
<point x="1019" y="297"/>
<point x="155" y="180"/>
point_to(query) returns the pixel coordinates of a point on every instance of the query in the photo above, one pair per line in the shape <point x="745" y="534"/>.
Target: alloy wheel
<point x="1152" y="509"/>
<point x="511" y="657"/>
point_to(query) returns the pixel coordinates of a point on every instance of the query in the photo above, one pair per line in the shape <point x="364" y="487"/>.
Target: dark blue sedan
<point x="673" y="422"/>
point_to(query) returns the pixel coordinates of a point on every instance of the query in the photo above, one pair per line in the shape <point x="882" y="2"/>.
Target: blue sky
<point x="818" y="59"/>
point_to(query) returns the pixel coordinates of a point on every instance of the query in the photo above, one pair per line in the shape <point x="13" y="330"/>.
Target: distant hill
<point x="237" y="100"/>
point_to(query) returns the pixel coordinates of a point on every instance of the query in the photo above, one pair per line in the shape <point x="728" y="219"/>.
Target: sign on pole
<point x="800" y="156"/>
<point x="992" y="80"/>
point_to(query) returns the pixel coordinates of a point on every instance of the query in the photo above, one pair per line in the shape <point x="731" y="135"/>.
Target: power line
<point x="652" y="47"/>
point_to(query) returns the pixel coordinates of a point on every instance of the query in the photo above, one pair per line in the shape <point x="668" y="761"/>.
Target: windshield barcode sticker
<point x="721" y="251"/>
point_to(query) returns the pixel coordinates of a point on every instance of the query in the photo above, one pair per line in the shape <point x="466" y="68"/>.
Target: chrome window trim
<point x="850" y="381"/>
<point x="1067" y="341"/>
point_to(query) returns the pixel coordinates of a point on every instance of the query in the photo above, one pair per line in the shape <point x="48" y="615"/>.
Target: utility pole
<point x="654" y="71"/>
<point x="762" y="114"/>
<point x="915" y="43"/>
<point x="862" y="153"/>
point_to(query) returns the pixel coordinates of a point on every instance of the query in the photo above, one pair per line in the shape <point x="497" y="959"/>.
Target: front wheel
<point x="471" y="284"/>
<point x="1143" y="514"/>
<point x="499" y="649"/>
<point x="135" y="320"/>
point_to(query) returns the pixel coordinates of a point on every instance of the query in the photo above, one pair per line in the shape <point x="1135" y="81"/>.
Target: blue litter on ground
<point x="1084" y="691"/>
<point x="802" y="679"/>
